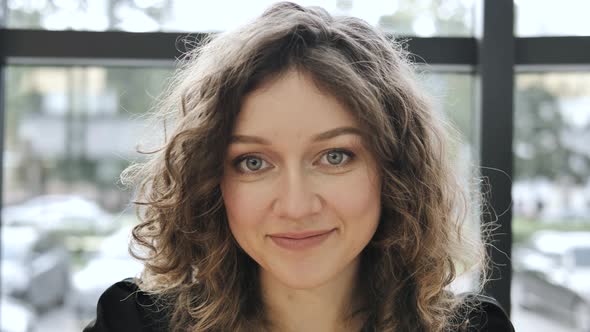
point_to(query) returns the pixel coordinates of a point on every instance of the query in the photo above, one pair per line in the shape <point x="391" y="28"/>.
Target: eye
<point x="249" y="164"/>
<point x="338" y="157"/>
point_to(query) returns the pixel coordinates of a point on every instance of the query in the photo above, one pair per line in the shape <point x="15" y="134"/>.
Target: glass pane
<point x="2" y="15"/>
<point x="69" y="132"/>
<point x="551" y="18"/>
<point x="452" y="94"/>
<point x="422" y="18"/>
<point x="551" y="195"/>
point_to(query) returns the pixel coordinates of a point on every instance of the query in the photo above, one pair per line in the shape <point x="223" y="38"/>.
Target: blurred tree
<point x="452" y="93"/>
<point x="19" y="100"/>
<point x="33" y="14"/>
<point x="434" y="17"/>
<point x="539" y="147"/>
<point x="344" y="4"/>
<point x="27" y="14"/>
<point x="137" y="88"/>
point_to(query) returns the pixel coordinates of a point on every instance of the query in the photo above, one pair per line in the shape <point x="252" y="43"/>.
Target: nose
<point x="296" y="198"/>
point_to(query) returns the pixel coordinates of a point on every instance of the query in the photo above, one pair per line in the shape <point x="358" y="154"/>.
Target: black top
<point x="123" y="307"/>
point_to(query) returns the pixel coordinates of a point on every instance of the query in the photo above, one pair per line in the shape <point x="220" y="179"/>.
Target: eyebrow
<point x="317" y="138"/>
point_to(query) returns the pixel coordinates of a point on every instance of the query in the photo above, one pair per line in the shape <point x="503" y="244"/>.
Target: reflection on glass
<point x="550" y="18"/>
<point x="69" y="132"/>
<point x="422" y="18"/>
<point x="551" y="195"/>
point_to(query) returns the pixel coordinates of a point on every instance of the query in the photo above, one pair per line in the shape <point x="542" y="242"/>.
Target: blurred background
<point x="73" y="121"/>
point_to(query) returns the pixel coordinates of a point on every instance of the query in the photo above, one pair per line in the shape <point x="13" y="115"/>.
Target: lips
<point x="301" y="235"/>
<point x="301" y="240"/>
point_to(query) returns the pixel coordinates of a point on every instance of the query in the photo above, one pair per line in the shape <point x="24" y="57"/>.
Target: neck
<point x="327" y="307"/>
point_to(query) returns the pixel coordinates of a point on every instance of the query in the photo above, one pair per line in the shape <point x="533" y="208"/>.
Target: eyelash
<point x="349" y="155"/>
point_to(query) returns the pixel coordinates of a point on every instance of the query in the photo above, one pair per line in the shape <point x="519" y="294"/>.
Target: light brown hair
<point x="192" y="263"/>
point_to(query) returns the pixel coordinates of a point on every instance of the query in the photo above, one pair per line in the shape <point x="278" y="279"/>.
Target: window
<point x="422" y="18"/>
<point x="59" y="151"/>
<point x="551" y="195"/>
<point x="547" y="18"/>
<point x="70" y="132"/>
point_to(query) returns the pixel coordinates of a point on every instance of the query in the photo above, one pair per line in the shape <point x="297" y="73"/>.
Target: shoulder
<point x="483" y="313"/>
<point x="124" y="307"/>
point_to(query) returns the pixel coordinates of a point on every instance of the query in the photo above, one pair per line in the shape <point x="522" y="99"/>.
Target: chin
<point x="302" y="277"/>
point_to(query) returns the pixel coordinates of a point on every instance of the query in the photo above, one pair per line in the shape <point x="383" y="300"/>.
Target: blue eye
<point x="338" y="157"/>
<point x="253" y="163"/>
<point x="249" y="164"/>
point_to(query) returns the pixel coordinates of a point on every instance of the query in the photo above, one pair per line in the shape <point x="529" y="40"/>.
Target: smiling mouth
<point x="301" y="240"/>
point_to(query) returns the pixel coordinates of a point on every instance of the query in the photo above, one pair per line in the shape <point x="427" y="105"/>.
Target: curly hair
<point x="193" y="264"/>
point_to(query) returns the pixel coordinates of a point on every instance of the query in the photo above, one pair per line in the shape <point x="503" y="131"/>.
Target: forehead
<point x="289" y="104"/>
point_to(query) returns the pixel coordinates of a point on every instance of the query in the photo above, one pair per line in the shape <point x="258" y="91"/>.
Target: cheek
<point x="244" y="204"/>
<point x="356" y="197"/>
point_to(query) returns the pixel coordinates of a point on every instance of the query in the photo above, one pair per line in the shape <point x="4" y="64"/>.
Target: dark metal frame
<point x="495" y="56"/>
<point x="496" y="75"/>
<point x="41" y="46"/>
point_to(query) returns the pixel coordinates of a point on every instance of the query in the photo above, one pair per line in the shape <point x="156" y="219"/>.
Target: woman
<point x="307" y="186"/>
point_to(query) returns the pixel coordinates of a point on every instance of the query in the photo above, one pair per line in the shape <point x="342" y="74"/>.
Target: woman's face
<point x="302" y="193"/>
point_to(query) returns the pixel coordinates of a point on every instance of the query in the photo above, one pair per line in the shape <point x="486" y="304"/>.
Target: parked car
<point x="73" y="217"/>
<point x="35" y="266"/>
<point x="112" y="263"/>
<point x="16" y="316"/>
<point x="554" y="272"/>
<point x="60" y="212"/>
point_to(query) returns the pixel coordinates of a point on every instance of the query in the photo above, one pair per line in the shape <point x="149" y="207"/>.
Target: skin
<point x="293" y="182"/>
